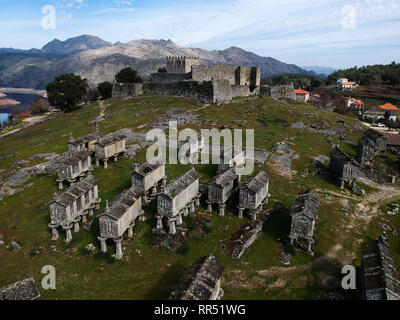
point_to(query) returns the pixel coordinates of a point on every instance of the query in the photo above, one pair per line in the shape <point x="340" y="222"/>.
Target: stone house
<point x="379" y="278"/>
<point x="177" y="198"/>
<point x="304" y="214"/>
<point x="344" y="169"/>
<point x="110" y="146"/>
<point x="201" y="282"/>
<point x="72" y="166"/>
<point x="120" y="217"/>
<point x="70" y="207"/>
<point x="302" y="95"/>
<point x="253" y="193"/>
<point x="147" y="176"/>
<point x="393" y="143"/>
<point x="84" y="143"/>
<point x="220" y="189"/>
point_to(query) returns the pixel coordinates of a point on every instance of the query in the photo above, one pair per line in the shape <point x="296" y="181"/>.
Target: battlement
<point x="181" y="64"/>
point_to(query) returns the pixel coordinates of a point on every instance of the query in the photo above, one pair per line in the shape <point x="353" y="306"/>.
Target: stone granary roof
<point x="200" y="280"/>
<point x="74" y="157"/>
<point x="341" y="156"/>
<point x="244" y="237"/>
<point x="122" y="203"/>
<point x="181" y="183"/>
<point x="145" y="168"/>
<point x="22" y="290"/>
<point x="81" y="140"/>
<point x="256" y="181"/>
<point x="224" y="178"/>
<point x="75" y="191"/>
<point x="307" y="204"/>
<point x="111" y="139"/>
<point x="379" y="271"/>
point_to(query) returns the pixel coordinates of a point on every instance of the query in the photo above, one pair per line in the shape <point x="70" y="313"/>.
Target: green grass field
<point x="258" y="275"/>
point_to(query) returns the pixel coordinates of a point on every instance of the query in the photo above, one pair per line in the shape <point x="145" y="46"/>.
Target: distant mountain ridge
<point x="98" y="60"/>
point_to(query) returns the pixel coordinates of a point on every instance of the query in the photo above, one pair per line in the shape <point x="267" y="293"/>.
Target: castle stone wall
<point x="222" y="91"/>
<point x="247" y="76"/>
<point x="169" y="77"/>
<point x="127" y="89"/>
<point x="181" y="64"/>
<point x="216" y="71"/>
<point x="279" y="92"/>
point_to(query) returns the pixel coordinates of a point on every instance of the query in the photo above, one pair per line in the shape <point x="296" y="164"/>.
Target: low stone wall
<point x="202" y="91"/>
<point x="127" y="89"/>
<point x="222" y="92"/>
<point x="279" y="92"/>
<point x="169" y="77"/>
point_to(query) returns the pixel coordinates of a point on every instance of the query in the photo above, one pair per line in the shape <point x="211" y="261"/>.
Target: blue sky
<point x="337" y="33"/>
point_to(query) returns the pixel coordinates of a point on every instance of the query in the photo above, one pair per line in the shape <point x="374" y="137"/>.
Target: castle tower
<point x="181" y="64"/>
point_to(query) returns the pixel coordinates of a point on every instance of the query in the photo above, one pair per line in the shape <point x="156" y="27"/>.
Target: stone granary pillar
<point x="192" y="207"/>
<point x="241" y="210"/>
<point x="105" y="163"/>
<point x="159" y="225"/>
<point x="60" y="185"/>
<point x="97" y="163"/>
<point x="84" y="217"/>
<point x="91" y="213"/>
<point x="118" y="249"/>
<point x="164" y="181"/>
<point x="222" y="209"/>
<point x="103" y="244"/>
<point x="154" y="190"/>
<point x="254" y="215"/>
<point x="209" y="206"/>
<point x="115" y="158"/>
<point x="198" y="199"/>
<point x="130" y="230"/>
<point x="54" y="232"/>
<point x="171" y="226"/>
<point x="186" y="211"/>
<point x="76" y="225"/>
<point x="309" y="250"/>
<point x="179" y="220"/>
<point x="68" y="233"/>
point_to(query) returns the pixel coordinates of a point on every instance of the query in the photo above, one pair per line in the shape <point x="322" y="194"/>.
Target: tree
<point x="128" y="75"/>
<point x="40" y="106"/>
<point x="92" y="95"/>
<point x="105" y="90"/>
<point x="392" y="77"/>
<point x="66" y="91"/>
<point x="162" y="70"/>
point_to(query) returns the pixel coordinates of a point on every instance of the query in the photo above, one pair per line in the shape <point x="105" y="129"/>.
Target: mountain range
<point x="98" y="60"/>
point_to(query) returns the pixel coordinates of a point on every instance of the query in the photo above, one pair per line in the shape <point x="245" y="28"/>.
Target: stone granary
<point x="253" y="193"/>
<point x="232" y="157"/>
<point x="365" y="153"/>
<point x="220" y="189"/>
<point x="148" y="176"/>
<point x="344" y="169"/>
<point x="177" y="198"/>
<point x="120" y="217"/>
<point x="73" y="205"/>
<point x="244" y="238"/>
<point x="84" y="143"/>
<point x="376" y="139"/>
<point x="304" y="214"/>
<point x="21" y="290"/>
<point x="201" y="282"/>
<point x="110" y="146"/>
<point x="379" y="278"/>
<point x="72" y="166"/>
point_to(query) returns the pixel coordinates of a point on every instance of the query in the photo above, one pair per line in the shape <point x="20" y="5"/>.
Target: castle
<point x="185" y="77"/>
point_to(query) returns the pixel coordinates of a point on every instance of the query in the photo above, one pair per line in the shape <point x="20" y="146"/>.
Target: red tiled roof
<point x="300" y="91"/>
<point x="347" y="82"/>
<point x="317" y="95"/>
<point x="393" y="139"/>
<point x="358" y="103"/>
<point x="388" y="106"/>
